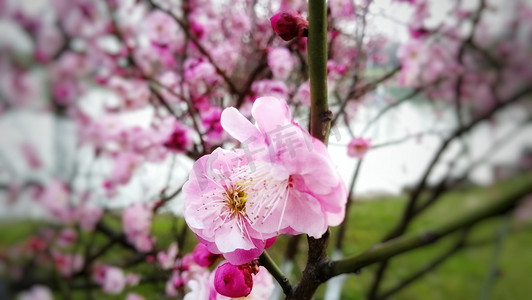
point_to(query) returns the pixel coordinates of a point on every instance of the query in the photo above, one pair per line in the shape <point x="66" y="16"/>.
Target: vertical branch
<point x="320" y="116"/>
<point x="320" y="120"/>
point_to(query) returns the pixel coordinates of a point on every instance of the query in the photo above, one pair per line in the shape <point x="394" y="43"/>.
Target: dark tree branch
<point x="499" y="203"/>
<point x="459" y="245"/>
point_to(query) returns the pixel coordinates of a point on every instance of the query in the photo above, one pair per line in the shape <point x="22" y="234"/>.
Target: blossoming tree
<point x="238" y="100"/>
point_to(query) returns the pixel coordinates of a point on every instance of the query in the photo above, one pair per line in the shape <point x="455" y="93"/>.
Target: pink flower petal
<point x="229" y="238"/>
<point x="238" y="126"/>
<point x="303" y="214"/>
<point x="271" y="114"/>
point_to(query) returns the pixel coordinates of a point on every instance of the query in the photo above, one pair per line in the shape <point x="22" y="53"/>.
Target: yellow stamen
<point x="236" y="198"/>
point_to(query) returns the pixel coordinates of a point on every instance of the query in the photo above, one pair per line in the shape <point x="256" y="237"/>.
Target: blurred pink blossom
<point x="114" y="280"/>
<point x="55" y="199"/>
<point x="342" y="9"/>
<point x="268" y="87"/>
<point x="180" y="140"/>
<point x="280" y="62"/>
<point x="161" y="28"/>
<point x="89" y="216"/>
<point x="30" y="154"/>
<point x="358" y="147"/>
<point x="167" y="259"/>
<point x="66" y="237"/>
<point x="136" y="223"/>
<point x="67" y="264"/>
<point x="37" y="292"/>
<point x="303" y="94"/>
<point x="133" y="296"/>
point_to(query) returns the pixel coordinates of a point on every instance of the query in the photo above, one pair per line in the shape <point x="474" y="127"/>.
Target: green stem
<point x="320" y="116"/>
<point x="320" y="121"/>
<point x="266" y="261"/>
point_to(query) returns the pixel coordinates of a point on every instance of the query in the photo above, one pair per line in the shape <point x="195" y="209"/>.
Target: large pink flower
<point x="217" y="194"/>
<point x="281" y="181"/>
<point x="304" y="193"/>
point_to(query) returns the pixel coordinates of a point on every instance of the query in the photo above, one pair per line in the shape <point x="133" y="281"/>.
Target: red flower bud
<point x="233" y="281"/>
<point x="289" y="25"/>
<point x="204" y="257"/>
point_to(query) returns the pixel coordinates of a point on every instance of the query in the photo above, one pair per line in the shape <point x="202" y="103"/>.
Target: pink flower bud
<point x="233" y="281"/>
<point x="289" y="25"/>
<point x="204" y="257"/>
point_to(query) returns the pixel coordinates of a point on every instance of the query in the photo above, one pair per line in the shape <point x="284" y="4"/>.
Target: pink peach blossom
<point x="342" y="9"/>
<point x="280" y="62"/>
<point x="136" y="223"/>
<point x="67" y="264"/>
<point x="180" y="139"/>
<point x="124" y="165"/>
<point x="66" y="237"/>
<point x="132" y="279"/>
<point x="133" y="93"/>
<point x="307" y="193"/>
<point x="173" y="283"/>
<point x="133" y="296"/>
<point x="114" y="280"/>
<point x="198" y="285"/>
<point x="268" y="87"/>
<point x="237" y="201"/>
<point x="89" y="216"/>
<point x="215" y="206"/>
<point x="238" y="23"/>
<point x="161" y="28"/>
<point x="358" y="147"/>
<point x="167" y="259"/>
<point x="37" y="292"/>
<point x="55" y="199"/>
<point x="210" y="119"/>
<point x="303" y="94"/>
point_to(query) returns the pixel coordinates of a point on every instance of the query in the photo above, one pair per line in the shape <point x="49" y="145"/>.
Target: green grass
<point x="462" y="276"/>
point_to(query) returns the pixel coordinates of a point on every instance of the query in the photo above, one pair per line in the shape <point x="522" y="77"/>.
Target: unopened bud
<point x="289" y="25"/>
<point x="233" y="281"/>
<point x="204" y="257"/>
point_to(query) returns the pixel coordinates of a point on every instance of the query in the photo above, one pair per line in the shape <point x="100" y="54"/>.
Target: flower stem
<point x="266" y="261"/>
